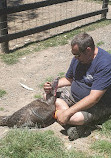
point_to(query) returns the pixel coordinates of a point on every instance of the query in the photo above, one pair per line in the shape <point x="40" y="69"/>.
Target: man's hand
<point x="47" y="87"/>
<point x="62" y="117"/>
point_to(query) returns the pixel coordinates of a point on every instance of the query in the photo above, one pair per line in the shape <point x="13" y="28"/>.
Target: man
<point x="89" y="76"/>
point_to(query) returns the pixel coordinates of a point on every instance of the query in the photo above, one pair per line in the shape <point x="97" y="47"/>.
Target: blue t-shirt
<point x="93" y="76"/>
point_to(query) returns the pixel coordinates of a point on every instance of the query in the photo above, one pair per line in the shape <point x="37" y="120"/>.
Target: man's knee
<point x="81" y="118"/>
<point x="77" y="119"/>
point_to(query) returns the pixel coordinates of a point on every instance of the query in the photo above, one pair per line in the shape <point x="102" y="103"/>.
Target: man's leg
<point x="64" y="101"/>
<point x="77" y="123"/>
<point x="77" y="119"/>
<point x="61" y="104"/>
<point x="97" y="112"/>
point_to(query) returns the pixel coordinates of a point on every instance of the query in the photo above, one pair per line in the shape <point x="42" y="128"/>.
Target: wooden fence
<point x="5" y="37"/>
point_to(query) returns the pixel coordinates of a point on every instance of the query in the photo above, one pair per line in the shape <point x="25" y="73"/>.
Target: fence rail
<point x="30" y="6"/>
<point x="5" y="36"/>
<point x="9" y="37"/>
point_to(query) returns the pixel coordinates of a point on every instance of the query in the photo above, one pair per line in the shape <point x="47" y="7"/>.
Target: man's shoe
<point x="77" y="132"/>
<point x="73" y="134"/>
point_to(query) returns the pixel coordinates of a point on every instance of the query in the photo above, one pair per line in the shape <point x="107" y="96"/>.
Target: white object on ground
<point x="26" y="87"/>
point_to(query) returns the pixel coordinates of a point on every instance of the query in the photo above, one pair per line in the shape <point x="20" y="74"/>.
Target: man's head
<point x="83" y="48"/>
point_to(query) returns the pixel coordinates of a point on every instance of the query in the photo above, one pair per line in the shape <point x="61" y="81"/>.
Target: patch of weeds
<point x="106" y="128"/>
<point x="100" y="43"/>
<point x="9" y="59"/>
<point x="109" y="51"/>
<point x="96" y="156"/>
<point x="55" y="41"/>
<point x="97" y="1"/>
<point x="12" y="58"/>
<point x="103" y="147"/>
<point x="24" y="143"/>
<point x="96" y="25"/>
<point x="1" y="109"/>
<point x="38" y="96"/>
<point x="61" y="74"/>
<point x="52" y="42"/>
<point x="2" y="93"/>
<point x="49" y="79"/>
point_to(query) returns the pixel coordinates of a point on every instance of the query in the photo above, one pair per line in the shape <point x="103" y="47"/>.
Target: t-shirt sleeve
<point x="69" y="73"/>
<point x="102" y="78"/>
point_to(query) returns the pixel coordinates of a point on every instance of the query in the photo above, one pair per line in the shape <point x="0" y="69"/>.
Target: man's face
<point x="84" y="57"/>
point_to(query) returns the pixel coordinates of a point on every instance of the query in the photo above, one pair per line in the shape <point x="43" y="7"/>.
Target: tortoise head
<point x="51" y="97"/>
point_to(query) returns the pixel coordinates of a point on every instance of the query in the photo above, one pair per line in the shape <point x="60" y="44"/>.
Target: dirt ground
<point x="32" y="70"/>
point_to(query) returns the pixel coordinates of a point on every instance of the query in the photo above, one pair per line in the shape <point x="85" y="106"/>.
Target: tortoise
<point x="38" y="113"/>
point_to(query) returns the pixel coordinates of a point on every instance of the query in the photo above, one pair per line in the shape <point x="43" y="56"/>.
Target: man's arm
<point x="86" y="103"/>
<point x="64" y="82"/>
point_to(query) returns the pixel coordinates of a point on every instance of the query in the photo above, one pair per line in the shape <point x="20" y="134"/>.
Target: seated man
<point x="89" y="76"/>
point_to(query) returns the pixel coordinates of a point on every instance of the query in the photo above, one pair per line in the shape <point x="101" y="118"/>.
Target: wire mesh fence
<point x="24" y="20"/>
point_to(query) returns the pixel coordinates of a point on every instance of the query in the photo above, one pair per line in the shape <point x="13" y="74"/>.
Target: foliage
<point x="103" y="147"/>
<point x="2" y="93"/>
<point x="38" y="96"/>
<point x="12" y="58"/>
<point x="49" y="79"/>
<point x="100" y="43"/>
<point x="24" y="143"/>
<point x="61" y="74"/>
<point x="106" y="128"/>
<point x="1" y="109"/>
<point x="109" y="51"/>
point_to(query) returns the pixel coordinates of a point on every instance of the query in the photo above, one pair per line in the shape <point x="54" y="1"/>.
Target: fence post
<point x="105" y="5"/>
<point x="4" y="27"/>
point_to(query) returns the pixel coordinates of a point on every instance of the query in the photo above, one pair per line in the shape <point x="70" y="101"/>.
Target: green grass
<point x="49" y="79"/>
<point x="61" y="74"/>
<point x="97" y="1"/>
<point x="1" y="109"/>
<point x="106" y="128"/>
<point x="24" y="143"/>
<point x="109" y="51"/>
<point x="100" y="1"/>
<point x="13" y="58"/>
<point x="103" y="147"/>
<point x="2" y="93"/>
<point x="100" y="43"/>
<point x="38" y="96"/>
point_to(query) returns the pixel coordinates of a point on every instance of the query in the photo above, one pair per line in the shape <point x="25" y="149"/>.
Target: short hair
<point x="83" y="41"/>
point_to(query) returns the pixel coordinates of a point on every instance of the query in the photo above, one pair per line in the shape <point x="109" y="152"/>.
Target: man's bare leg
<point x="76" y="119"/>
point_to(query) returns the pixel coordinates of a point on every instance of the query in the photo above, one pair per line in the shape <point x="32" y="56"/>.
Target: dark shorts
<point x="95" y="113"/>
